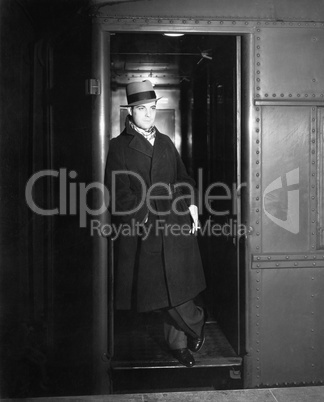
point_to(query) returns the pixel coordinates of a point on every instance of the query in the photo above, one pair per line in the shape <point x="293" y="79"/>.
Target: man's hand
<point x="194" y="215"/>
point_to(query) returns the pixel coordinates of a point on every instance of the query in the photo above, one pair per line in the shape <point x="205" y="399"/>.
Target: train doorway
<point x="199" y="79"/>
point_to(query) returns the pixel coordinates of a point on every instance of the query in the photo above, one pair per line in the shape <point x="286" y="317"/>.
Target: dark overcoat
<point x="158" y="262"/>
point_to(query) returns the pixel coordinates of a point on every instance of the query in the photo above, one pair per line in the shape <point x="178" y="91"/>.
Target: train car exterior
<point x="54" y="274"/>
<point x="282" y="153"/>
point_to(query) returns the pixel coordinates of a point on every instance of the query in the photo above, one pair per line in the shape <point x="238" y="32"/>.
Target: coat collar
<point x="138" y="142"/>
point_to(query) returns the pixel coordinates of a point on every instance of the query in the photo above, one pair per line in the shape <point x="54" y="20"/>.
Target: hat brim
<point x="142" y="102"/>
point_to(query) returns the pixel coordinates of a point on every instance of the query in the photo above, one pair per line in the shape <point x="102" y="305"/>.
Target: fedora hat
<point x="140" y="92"/>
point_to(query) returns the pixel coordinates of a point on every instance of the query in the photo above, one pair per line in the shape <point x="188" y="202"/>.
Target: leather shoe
<point x="195" y="344"/>
<point x="184" y="357"/>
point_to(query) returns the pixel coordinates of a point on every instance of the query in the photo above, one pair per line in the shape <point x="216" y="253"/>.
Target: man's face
<point x="143" y="115"/>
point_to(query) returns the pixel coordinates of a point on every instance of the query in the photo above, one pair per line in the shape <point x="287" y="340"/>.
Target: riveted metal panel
<point x="285" y="196"/>
<point x="290" y="341"/>
<point x="274" y="261"/>
<point x="235" y="9"/>
<point x="289" y="61"/>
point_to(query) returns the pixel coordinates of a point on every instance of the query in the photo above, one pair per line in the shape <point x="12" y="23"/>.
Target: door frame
<point x="103" y="28"/>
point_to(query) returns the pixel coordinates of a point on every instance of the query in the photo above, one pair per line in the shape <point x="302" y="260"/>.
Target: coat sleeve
<point x="123" y="203"/>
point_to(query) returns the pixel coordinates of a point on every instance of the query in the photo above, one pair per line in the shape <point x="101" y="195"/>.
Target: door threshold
<point x="144" y="348"/>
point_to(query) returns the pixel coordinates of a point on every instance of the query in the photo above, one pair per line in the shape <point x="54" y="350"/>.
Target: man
<point x="159" y="265"/>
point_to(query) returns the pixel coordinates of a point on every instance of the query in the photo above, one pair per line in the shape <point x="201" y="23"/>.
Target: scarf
<point x="149" y="134"/>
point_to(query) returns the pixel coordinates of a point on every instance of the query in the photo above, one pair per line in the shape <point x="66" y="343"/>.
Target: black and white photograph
<point x="162" y="200"/>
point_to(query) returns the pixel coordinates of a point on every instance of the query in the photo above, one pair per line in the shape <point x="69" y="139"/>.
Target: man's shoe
<point x="195" y="344"/>
<point x="184" y="357"/>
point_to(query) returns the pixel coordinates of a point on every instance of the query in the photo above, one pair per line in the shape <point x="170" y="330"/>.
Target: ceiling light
<point x="173" y="34"/>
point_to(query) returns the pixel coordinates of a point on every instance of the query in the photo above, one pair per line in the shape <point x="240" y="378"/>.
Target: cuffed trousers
<point x="181" y="321"/>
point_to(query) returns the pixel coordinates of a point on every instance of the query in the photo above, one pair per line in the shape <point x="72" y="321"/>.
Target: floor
<point x="298" y="394"/>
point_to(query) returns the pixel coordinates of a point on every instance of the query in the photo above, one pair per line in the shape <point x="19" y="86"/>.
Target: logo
<point x="281" y="201"/>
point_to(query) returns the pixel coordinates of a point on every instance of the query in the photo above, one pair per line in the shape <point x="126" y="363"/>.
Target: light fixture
<point x="173" y="34"/>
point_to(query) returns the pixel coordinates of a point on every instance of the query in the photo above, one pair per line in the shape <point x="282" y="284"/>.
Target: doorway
<point x="199" y="79"/>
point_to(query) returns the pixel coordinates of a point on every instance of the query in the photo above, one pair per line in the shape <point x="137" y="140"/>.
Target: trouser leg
<point x="181" y="321"/>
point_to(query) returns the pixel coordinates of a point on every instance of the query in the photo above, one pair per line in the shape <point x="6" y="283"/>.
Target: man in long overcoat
<point x="159" y="265"/>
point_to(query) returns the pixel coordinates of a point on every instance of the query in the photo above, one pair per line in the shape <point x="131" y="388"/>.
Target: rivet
<point x="266" y="95"/>
<point x="257" y="198"/>
<point x="296" y="263"/>
<point x="257" y="210"/>
<point x="282" y="95"/>
<point x="258" y="64"/>
<point x="258" y="72"/>
<point x="258" y="88"/>
<point x="298" y="95"/>
<point x="274" y="95"/>
<point x="197" y="22"/>
<point x="313" y="95"/>
<point x="257" y="141"/>
<point x="306" y="96"/>
<point x="234" y="22"/>
<point x="277" y="264"/>
<point x="257" y="233"/>
<point x="290" y="95"/>
<point x="257" y="162"/>
<point x="287" y="257"/>
<point x="222" y="22"/>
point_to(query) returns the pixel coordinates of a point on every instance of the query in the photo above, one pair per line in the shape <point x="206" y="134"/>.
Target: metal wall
<point x="283" y="92"/>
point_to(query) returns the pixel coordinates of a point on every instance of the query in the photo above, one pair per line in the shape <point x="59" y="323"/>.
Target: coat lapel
<point x="140" y="144"/>
<point x="159" y="148"/>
